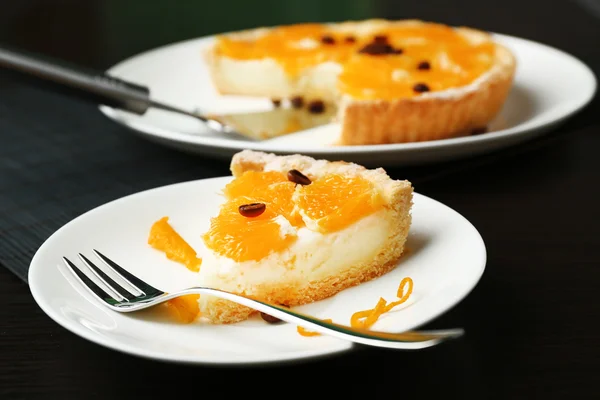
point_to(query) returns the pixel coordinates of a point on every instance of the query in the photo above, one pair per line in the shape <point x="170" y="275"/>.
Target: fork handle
<point x="80" y="82"/>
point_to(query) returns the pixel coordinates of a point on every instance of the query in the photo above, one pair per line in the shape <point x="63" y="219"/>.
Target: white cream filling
<point x="285" y="228"/>
<point x="312" y="256"/>
<point x="267" y="76"/>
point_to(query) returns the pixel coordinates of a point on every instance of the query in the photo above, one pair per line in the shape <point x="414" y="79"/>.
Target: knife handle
<point x="85" y="84"/>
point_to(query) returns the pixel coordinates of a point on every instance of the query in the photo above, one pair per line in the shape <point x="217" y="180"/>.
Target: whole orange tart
<point x="391" y="81"/>
<point x="292" y="230"/>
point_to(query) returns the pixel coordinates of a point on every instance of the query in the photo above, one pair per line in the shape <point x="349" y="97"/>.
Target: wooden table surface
<point x="532" y="322"/>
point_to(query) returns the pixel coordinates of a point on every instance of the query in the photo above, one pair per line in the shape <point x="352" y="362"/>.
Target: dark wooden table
<point x="532" y="323"/>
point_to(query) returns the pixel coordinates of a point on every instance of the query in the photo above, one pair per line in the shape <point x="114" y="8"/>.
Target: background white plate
<point x="549" y="86"/>
<point x="446" y="259"/>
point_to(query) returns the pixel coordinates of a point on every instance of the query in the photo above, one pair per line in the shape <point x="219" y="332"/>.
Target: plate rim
<point x="292" y="357"/>
<point x="155" y="133"/>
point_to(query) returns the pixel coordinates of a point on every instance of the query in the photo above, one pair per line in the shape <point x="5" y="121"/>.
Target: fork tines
<point x="113" y="285"/>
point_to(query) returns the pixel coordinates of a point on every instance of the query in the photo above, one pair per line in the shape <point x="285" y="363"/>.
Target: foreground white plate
<point x="446" y="257"/>
<point x="549" y="86"/>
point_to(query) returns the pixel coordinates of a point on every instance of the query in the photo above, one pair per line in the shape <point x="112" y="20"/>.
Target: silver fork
<point x="135" y="294"/>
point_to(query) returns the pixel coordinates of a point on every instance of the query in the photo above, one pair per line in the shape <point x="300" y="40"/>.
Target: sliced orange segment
<point x="251" y="183"/>
<point x="454" y="59"/>
<point x="451" y="58"/>
<point x="288" y="45"/>
<point x="247" y="238"/>
<point x="164" y="238"/>
<point x="332" y="202"/>
<point x="270" y="187"/>
<point x="184" y="308"/>
<point x="335" y="201"/>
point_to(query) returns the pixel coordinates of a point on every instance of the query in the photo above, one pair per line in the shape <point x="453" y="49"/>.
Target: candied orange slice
<point x="270" y="187"/>
<point x="184" y="308"/>
<point x="242" y="238"/>
<point x="334" y="201"/>
<point x="164" y="238"/>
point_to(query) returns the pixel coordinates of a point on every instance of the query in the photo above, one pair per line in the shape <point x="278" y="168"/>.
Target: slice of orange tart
<point x="293" y="230"/>
<point x="391" y="81"/>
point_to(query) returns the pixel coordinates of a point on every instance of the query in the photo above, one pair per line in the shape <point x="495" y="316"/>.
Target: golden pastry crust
<point x="397" y="199"/>
<point x="219" y="311"/>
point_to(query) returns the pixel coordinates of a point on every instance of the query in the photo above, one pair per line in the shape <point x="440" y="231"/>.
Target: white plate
<point x="446" y="259"/>
<point x="549" y="86"/>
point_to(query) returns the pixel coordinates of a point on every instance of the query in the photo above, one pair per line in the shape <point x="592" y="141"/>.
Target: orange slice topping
<point x="335" y="201"/>
<point x="184" y="308"/>
<point x="294" y="46"/>
<point x="164" y="238"/>
<point x="435" y="56"/>
<point x="387" y="64"/>
<point x="244" y="239"/>
<point x="253" y="232"/>
<point x="271" y="187"/>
